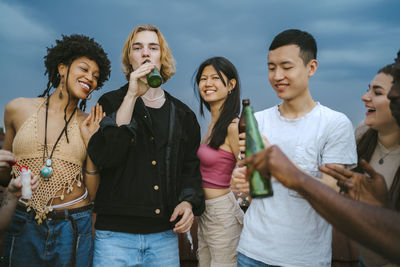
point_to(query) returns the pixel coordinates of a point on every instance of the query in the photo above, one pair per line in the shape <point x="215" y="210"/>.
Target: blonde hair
<point x="167" y="60"/>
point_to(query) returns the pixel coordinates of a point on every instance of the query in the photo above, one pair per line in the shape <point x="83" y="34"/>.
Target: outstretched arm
<point x="375" y="227"/>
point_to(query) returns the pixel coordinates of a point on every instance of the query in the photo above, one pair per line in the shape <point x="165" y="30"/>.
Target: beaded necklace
<point x="47" y="170"/>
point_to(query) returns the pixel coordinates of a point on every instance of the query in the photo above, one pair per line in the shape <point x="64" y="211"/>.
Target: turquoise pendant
<point x="47" y="171"/>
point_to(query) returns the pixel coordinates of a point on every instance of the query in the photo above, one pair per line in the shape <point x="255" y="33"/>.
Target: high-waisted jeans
<point x="48" y="244"/>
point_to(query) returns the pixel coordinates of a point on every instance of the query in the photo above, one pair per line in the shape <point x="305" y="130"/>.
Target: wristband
<point x="90" y="172"/>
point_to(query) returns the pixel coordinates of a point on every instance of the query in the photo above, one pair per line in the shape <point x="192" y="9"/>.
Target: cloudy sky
<point x="355" y="38"/>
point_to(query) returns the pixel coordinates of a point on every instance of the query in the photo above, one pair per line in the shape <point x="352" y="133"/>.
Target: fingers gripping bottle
<point x="26" y="183"/>
<point x="260" y="187"/>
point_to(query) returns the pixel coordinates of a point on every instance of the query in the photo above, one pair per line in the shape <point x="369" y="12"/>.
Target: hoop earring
<point x="89" y="97"/>
<point x="229" y="92"/>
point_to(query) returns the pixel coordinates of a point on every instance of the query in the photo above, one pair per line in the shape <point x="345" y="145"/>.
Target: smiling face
<point x="82" y="78"/>
<point x="288" y="75"/>
<point x="378" y="115"/>
<point x="212" y="88"/>
<point x="145" y="46"/>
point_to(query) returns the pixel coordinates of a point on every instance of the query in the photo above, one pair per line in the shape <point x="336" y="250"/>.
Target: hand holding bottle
<point x="15" y="186"/>
<point x="273" y="162"/>
<point x="137" y="80"/>
<point x="239" y="181"/>
<point x="259" y="186"/>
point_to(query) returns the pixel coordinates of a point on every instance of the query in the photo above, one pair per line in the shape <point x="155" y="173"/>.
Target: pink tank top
<point x="216" y="167"/>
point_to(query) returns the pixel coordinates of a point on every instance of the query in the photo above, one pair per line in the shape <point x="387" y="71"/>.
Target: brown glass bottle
<point x="242" y="120"/>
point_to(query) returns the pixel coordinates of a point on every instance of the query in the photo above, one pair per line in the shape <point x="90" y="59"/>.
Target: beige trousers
<point x="219" y="231"/>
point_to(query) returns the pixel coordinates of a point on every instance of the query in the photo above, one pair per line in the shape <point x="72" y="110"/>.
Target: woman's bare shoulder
<point x="233" y="126"/>
<point x="23" y="104"/>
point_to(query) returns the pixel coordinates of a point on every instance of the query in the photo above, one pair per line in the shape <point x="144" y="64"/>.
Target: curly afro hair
<point x="70" y="48"/>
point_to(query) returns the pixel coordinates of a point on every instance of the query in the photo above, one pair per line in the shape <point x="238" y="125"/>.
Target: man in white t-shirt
<point x="285" y="230"/>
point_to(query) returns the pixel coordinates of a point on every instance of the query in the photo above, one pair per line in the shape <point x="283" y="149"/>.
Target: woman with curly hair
<point x="49" y="134"/>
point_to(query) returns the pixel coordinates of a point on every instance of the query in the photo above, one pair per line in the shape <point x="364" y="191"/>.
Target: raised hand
<point x="92" y="123"/>
<point x="370" y="189"/>
<point x="137" y="80"/>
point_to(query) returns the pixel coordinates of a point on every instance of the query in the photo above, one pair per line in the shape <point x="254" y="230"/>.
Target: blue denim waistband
<point x="57" y="214"/>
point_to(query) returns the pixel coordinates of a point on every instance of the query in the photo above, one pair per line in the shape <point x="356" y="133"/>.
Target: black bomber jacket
<point x="120" y="153"/>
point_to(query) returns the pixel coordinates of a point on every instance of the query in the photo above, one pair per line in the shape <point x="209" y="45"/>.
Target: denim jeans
<point x="125" y="249"/>
<point x="48" y="244"/>
<point x="244" y="261"/>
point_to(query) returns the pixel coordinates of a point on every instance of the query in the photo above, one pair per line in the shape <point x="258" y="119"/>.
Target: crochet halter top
<point x="67" y="161"/>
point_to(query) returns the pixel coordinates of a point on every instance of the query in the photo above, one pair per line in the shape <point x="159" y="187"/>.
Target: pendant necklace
<point x="381" y="160"/>
<point x="47" y="170"/>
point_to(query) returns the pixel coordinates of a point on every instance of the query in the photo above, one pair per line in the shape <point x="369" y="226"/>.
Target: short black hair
<point x="70" y="48"/>
<point x="304" y="40"/>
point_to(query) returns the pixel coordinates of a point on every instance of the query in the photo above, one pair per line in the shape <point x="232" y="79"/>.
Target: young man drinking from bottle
<point x="150" y="187"/>
<point x="285" y="230"/>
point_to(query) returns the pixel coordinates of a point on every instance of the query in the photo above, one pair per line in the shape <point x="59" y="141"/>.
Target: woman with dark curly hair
<point x="49" y="134"/>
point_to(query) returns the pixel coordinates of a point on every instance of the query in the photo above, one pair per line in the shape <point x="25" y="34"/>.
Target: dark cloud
<point x="355" y="39"/>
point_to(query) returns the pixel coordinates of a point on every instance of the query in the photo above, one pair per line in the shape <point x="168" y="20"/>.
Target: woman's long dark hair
<point x="230" y="108"/>
<point x="367" y="144"/>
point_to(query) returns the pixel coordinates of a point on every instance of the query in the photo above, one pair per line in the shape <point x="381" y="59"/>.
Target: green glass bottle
<point x="259" y="187"/>
<point x="154" y="78"/>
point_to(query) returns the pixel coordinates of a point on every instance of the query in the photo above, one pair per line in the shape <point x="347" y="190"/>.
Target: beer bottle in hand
<point x="259" y="187"/>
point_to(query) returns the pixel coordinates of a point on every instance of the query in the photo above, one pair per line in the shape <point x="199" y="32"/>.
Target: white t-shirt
<point x="284" y="229"/>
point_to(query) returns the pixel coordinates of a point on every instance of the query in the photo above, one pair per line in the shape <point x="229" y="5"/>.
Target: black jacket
<point x="121" y="152"/>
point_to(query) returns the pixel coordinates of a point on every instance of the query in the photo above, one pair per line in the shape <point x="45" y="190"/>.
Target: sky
<point x="355" y="39"/>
